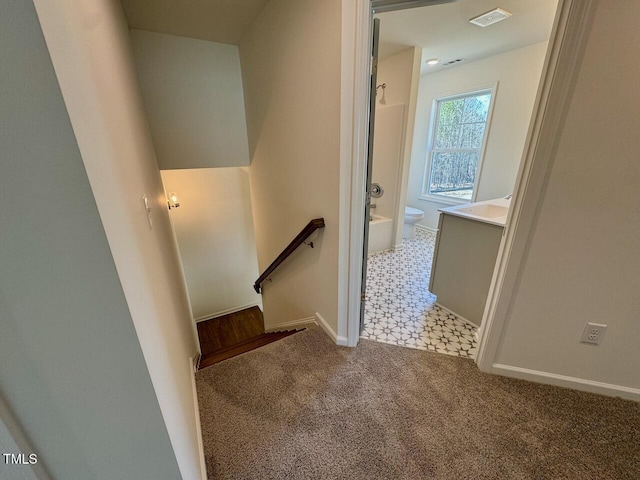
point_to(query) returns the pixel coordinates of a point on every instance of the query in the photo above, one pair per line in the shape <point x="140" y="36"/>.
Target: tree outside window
<point x="456" y="147"/>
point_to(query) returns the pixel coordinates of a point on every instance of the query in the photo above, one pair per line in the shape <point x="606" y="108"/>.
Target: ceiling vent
<point x="489" y="18"/>
<point x="453" y="62"/>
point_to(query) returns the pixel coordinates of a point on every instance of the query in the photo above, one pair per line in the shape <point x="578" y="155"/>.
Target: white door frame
<point x="354" y="125"/>
<point x="560" y="69"/>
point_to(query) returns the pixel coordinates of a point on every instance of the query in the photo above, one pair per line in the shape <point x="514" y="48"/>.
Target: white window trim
<point x="425" y="195"/>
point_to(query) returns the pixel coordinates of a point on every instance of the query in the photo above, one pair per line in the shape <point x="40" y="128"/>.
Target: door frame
<point x="373" y="92"/>
<point x="559" y="70"/>
<point x="354" y="127"/>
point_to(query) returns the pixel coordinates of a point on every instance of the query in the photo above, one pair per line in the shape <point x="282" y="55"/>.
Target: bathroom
<point x="434" y="61"/>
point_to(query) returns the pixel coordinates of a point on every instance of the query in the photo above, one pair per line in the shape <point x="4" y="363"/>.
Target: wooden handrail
<point x="311" y="227"/>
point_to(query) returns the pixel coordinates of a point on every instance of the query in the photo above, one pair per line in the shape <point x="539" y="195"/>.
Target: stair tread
<point x="230" y="329"/>
<point x="243" y="347"/>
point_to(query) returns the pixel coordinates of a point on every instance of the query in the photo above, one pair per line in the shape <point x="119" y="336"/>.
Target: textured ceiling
<point x="224" y="21"/>
<point x="444" y="31"/>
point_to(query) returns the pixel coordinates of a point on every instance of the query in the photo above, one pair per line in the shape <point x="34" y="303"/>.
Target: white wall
<point x="582" y="263"/>
<point x="72" y="369"/>
<point x="291" y="71"/>
<point x="214" y="227"/>
<point x="396" y="71"/>
<point x="518" y="73"/>
<point x="387" y="157"/>
<point x="89" y="44"/>
<point x="192" y="92"/>
<point x="401" y="73"/>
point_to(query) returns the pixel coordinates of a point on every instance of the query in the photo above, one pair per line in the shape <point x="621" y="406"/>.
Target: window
<point x="458" y="133"/>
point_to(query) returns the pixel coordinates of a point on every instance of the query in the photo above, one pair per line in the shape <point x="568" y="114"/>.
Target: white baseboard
<point x="226" y="312"/>
<point x="380" y="251"/>
<point x="457" y="315"/>
<point x="292" y="325"/>
<point x="196" y="361"/>
<point x="329" y="331"/>
<point x="567" y="382"/>
<point x="398" y="248"/>
<point x="426" y="229"/>
<point x="196" y="407"/>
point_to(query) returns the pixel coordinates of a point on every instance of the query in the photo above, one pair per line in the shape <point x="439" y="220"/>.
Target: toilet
<point x="411" y="217"/>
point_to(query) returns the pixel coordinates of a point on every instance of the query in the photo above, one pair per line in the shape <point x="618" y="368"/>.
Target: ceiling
<point x="444" y="32"/>
<point x="223" y="21"/>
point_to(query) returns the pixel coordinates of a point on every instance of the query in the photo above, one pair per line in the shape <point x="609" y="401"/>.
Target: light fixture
<point x="491" y="17"/>
<point x="173" y="200"/>
<point x="433" y="61"/>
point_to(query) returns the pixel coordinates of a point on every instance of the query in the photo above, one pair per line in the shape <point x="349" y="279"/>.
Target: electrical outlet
<point x="593" y="333"/>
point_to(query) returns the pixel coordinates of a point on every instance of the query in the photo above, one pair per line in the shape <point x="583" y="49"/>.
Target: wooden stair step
<point x="242" y="347"/>
<point x="230" y="329"/>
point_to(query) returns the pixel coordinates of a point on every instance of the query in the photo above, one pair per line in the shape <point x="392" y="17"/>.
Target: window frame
<point x="491" y="88"/>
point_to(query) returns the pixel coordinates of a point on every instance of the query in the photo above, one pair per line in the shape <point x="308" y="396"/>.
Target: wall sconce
<point x="173" y="200"/>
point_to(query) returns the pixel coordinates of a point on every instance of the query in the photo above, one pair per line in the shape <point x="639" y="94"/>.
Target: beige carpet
<point x="303" y="408"/>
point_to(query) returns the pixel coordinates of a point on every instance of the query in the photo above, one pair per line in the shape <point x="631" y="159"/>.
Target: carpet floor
<point x="304" y="408"/>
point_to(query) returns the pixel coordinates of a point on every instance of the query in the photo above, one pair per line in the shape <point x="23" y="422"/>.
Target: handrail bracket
<point x="300" y="239"/>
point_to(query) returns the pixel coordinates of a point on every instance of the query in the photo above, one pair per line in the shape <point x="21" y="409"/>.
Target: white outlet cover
<point x="593" y="333"/>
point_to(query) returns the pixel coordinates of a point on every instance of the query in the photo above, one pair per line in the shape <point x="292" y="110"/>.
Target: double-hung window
<point x="459" y="128"/>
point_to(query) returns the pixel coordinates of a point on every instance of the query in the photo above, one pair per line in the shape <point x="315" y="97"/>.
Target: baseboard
<point x="478" y="334"/>
<point x="195" y="360"/>
<point x="196" y="407"/>
<point x="567" y="382"/>
<point x="386" y="250"/>
<point x="292" y="325"/>
<point x="329" y="331"/>
<point x="226" y="312"/>
<point x="398" y="248"/>
<point x="426" y="229"/>
<point x="457" y="315"/>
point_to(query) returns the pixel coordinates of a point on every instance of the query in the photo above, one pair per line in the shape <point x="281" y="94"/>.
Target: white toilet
<point x="411" y="217"/>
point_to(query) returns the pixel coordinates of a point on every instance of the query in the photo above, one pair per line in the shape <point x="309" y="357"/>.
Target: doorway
<point x="399" y="305"/>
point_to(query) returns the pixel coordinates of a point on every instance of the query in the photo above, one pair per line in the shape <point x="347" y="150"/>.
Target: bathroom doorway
<point x="453" y="102"/>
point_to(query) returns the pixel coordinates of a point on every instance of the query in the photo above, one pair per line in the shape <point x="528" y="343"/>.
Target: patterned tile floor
<point x="400" y="310"/>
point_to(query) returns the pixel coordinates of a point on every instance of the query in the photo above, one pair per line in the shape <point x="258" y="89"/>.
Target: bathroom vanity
<point x="465" y="255"/>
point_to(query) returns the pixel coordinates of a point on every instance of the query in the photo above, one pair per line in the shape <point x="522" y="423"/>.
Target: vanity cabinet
<point x="464" y="258"/>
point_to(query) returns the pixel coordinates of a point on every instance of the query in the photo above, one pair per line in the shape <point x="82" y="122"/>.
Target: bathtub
<point x="380" y="234"/>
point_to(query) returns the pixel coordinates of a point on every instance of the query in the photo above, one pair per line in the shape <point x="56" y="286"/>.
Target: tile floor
<point x="401" y="311"/>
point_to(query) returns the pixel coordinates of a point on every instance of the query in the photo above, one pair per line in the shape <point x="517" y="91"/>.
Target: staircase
<point x="233" y="334"/>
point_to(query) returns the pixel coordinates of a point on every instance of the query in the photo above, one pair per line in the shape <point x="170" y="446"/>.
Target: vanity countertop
<point x="488" y="211"/>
